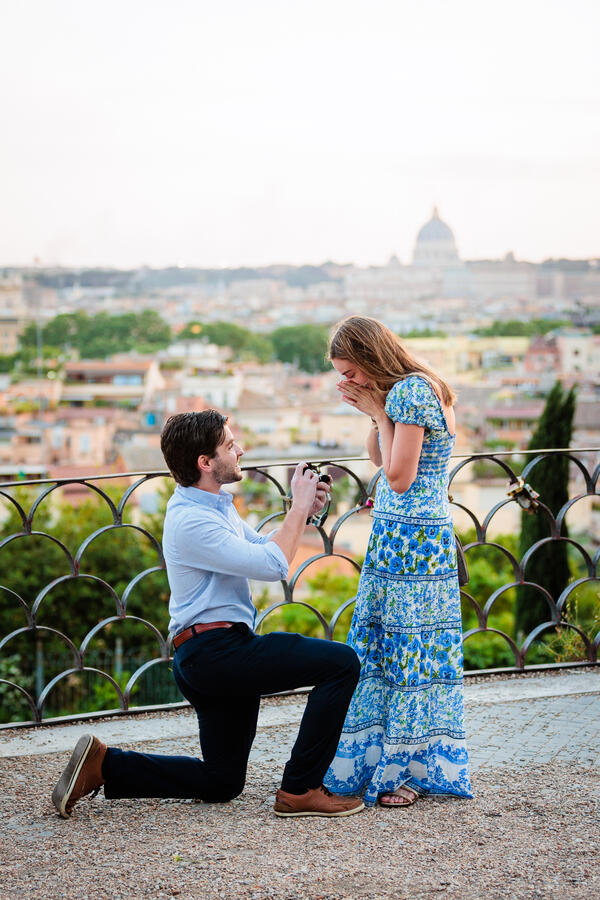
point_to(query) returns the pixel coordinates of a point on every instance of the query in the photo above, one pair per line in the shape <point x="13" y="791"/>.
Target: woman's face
<point x="351" y="372"/>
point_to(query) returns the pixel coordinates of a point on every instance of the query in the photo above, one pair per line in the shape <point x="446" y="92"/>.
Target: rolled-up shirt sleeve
<point x="217" y="549"/>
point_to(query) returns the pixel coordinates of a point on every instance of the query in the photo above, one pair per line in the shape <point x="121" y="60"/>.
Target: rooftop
<point x="96" y="366"/>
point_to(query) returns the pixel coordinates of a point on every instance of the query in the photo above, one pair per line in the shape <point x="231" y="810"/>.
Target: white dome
<point x="435" y="246"/>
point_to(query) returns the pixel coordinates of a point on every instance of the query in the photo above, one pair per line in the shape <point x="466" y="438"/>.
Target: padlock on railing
<point x="525" y="496"/>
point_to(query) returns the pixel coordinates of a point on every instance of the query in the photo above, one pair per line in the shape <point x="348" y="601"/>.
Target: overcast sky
<point x="246" y="132"/>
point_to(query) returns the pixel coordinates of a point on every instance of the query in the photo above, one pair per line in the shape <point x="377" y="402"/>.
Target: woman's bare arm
<point x="400" y="451"/>
<point x="373" y="447"/>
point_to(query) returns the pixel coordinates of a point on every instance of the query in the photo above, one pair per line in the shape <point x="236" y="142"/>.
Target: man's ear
<point x="203" y="463"/>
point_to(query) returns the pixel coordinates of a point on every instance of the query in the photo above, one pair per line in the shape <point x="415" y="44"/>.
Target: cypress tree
<point x="549" y="565"/>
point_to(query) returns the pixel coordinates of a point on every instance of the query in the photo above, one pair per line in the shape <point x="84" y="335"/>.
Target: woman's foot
<point x="402" y="796"/>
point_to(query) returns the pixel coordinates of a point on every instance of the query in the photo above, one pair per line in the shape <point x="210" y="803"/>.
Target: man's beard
<point x="224" y="473"/>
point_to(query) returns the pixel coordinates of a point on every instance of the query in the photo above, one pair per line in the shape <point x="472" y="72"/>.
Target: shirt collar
<point x="205" y="498"/>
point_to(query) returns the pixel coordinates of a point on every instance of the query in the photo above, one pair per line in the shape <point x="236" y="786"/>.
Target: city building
<point x="126" y="382"/>
<point x="13" y="313"/>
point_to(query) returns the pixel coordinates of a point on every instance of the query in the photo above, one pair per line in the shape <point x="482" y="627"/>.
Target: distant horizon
<point x="41" y="265"/>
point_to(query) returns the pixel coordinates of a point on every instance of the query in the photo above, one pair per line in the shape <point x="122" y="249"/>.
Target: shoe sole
<point x="331" y="815"/>
<point x="64" y="788"/>
<point x="397" y="805"/>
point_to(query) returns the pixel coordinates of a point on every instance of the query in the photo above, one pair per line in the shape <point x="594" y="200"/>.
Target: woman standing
<point x="404" y="732"/>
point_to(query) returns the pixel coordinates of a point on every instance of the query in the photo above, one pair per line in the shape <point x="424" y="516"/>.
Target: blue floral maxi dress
<point x="405" y="723"/>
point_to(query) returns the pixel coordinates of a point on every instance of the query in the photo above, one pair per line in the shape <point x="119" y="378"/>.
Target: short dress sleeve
<point x="414" y="402"/>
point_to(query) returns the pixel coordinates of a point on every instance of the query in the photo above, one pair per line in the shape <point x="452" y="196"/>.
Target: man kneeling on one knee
<point x="220" y="664"/>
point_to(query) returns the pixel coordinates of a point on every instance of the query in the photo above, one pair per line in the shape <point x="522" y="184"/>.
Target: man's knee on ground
<point x="224" y="787"/>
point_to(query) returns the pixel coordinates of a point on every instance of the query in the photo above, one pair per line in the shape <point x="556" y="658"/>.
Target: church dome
<point x="435" y="229"/>
<point x="435" y="248"/>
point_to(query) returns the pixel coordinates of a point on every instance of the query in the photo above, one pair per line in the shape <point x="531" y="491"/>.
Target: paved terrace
<point x="532" y="831"/>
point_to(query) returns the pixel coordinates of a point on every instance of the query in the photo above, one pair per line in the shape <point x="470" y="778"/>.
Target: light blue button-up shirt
<point x="210" y="554"/>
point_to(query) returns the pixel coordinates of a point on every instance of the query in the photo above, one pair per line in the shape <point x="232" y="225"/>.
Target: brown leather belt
<point x="193" y="630"/>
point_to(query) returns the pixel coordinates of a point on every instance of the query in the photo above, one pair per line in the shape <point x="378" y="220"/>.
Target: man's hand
<point x="304" y="498"/>
<point x="304" y="489"/>
<point x="321" y="498"/>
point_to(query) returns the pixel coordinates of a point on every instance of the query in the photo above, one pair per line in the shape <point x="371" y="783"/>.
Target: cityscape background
<point x="94" y="360"/>
<point x="193" y="195"/>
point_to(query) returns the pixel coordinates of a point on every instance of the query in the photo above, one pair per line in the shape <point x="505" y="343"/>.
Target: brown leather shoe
<point x="82" y="775"/>
<point x="316" y="802"/>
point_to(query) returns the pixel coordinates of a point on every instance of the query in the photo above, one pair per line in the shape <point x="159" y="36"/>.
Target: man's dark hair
<point x="187" y="436"/>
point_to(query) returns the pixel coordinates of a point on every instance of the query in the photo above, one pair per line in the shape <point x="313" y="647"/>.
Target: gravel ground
<point x="529" y="833"/>
<point x="532" y="831"/>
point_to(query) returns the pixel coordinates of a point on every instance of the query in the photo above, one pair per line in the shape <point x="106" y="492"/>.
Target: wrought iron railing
<point x="44" y="651"/>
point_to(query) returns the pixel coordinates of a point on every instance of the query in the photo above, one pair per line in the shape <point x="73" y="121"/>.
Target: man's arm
<point x="209" y="545"/>
<point x="254" y="536"/>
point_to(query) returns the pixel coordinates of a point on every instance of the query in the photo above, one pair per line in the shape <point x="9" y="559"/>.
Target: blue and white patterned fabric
<point x="405" y="724"/>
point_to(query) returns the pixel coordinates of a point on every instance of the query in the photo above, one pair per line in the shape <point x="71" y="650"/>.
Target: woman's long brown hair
<point x="378" y="352"/>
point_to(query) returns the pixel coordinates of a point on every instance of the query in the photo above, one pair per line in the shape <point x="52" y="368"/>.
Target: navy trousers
<point x="223" y="672"/>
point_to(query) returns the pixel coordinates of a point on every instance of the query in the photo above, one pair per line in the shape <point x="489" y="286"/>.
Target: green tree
<point x="73" y="607"/>
<point x="7" y="362"/>
<point x="305" y="345"/>
<point x="193" y="331"/>
<point x="549" y="566"/>
<point x="259" y="347"/>
<point x="518" y="328"/>
<point x="149" y="329"/>
<point x="423" y="333"/>
<point x="324" y="591"/>
<point x="98" y="336"/>
<point x="223" y="334"/>
<point x="60" y="331"/>
<point x="32" y="561"/>
<point x="244" y="344"/>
